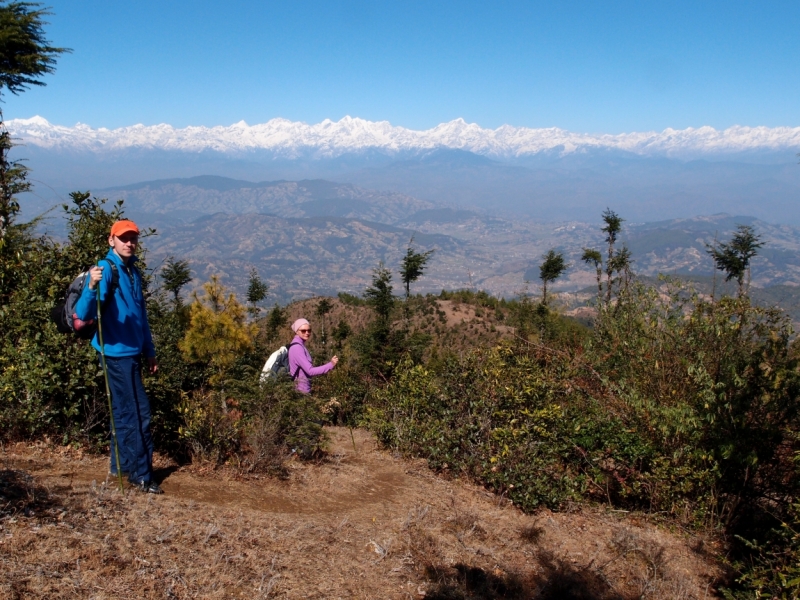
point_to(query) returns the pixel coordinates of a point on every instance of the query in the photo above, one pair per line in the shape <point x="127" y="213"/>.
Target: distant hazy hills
<point x="182" y="200"/>
<point x="554" y="187"/>
<point x="549" y="174"/>
<point x="304" y="237"/>
<point x="319" y="237"/>
<point x="298" y="257"/>
<point x="680" y="246"/>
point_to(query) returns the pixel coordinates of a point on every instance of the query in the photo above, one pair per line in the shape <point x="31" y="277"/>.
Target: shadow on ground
<point x="163" y="473"/>
<point x="558" y="580"/>
<point x="19" y="494"/>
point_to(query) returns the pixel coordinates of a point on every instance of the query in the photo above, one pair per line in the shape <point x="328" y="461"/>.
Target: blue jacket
<point x="125" y="328"/>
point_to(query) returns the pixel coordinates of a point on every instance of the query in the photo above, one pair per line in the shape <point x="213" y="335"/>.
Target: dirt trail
<point x="352" y="477"/>
<point x="360" y="524"/>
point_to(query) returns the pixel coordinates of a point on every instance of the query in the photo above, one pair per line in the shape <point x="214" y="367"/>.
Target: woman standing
<point x="300" y="366"/>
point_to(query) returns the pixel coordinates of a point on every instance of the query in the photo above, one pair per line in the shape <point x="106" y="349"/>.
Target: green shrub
<point x="175" y="376"/>
<point x="344" y="390"/>
<point x="714" y="388"/>
<point x="48" y="381"/>
<point x="672" y="404"/>
<point x="211" y="426"/>
<point x="772" y="567"/>
<point x="492" y="416"/>
<point x="250" y="425"/>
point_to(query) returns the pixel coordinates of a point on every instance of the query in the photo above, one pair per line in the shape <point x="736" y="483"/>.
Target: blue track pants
<point x="131" y="410"/>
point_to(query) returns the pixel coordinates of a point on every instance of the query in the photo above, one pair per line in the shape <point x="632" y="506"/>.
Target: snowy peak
<point x="290" y="139"/>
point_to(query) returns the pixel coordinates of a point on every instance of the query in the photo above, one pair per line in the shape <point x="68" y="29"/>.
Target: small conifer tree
<point x="276" y="321"/>
<point x="621" y="264"/>
<point x="379" y="294"/>
<point x="323" y="308"/>
<point x="413" y="266"/>
<point x="257" y="290"/>
<point x="218" y="331"/>
<point x="734" y="257"/>
<point x="551" y="269"/>
<point x="175" y="274"/>
<point x="593" y="257"/>
<point x="612" y="229"/>
<point x="341" y="332"/>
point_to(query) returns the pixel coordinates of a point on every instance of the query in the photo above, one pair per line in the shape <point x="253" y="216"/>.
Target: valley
<point x="316" y="237"/>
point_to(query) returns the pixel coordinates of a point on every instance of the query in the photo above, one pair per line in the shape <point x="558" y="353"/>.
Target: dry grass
<point x="359" y="524"/>
<point x="461" y="326"/>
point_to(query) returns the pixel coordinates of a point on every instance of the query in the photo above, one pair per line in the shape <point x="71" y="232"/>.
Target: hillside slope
<point x="358" y="524"/>
<point x="298" y="257"/>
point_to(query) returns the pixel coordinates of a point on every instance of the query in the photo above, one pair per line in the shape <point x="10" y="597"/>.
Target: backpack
<point x="63" y="313"/>
<point x="277" y="364"/>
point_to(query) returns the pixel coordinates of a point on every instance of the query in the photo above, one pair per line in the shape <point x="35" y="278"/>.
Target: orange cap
<point x="124" y="226"/>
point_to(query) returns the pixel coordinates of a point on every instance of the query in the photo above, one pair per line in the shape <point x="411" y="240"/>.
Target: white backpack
<point x="277" y="364"/>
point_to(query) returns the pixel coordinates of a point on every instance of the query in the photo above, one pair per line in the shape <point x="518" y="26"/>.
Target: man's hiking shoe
<point x="149" y="487"/>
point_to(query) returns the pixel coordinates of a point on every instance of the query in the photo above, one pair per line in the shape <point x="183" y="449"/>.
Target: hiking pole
<point x="108" y="390"/>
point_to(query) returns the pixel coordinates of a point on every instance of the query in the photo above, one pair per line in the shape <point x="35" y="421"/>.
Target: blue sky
<point x="584" y="66"/>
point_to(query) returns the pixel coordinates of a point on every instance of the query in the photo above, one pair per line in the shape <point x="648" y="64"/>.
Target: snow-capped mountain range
<point x="329" y="139"/>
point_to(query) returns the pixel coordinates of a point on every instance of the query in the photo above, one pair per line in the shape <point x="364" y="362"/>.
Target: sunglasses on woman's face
<point x="303" y="331"/>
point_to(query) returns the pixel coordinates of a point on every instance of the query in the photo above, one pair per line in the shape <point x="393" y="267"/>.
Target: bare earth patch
<point x="359" y="524"/>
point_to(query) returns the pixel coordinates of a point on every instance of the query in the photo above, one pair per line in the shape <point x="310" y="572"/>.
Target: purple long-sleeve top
<point x="300" y="363"/>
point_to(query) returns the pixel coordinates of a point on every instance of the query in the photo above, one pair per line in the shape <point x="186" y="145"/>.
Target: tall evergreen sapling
<point x="379" y="294"/>
<point x="593" y="257"/>
<point x="341" y="332"/>
<point x="379" y="346"/>
<point x="323" y="308"/>
<point x="175" y="274"/>
<point x="413" y="266"/>
<point x="277" y="320"/>
<point x="612" y="229"/>
<point x="734" y="257"/>
<point x="551" y="269"/>
<point x="257" y="290"/>
<point x="621" y="264"/>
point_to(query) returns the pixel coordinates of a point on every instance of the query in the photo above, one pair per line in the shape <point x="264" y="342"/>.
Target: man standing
<point x="126" y="337"/>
